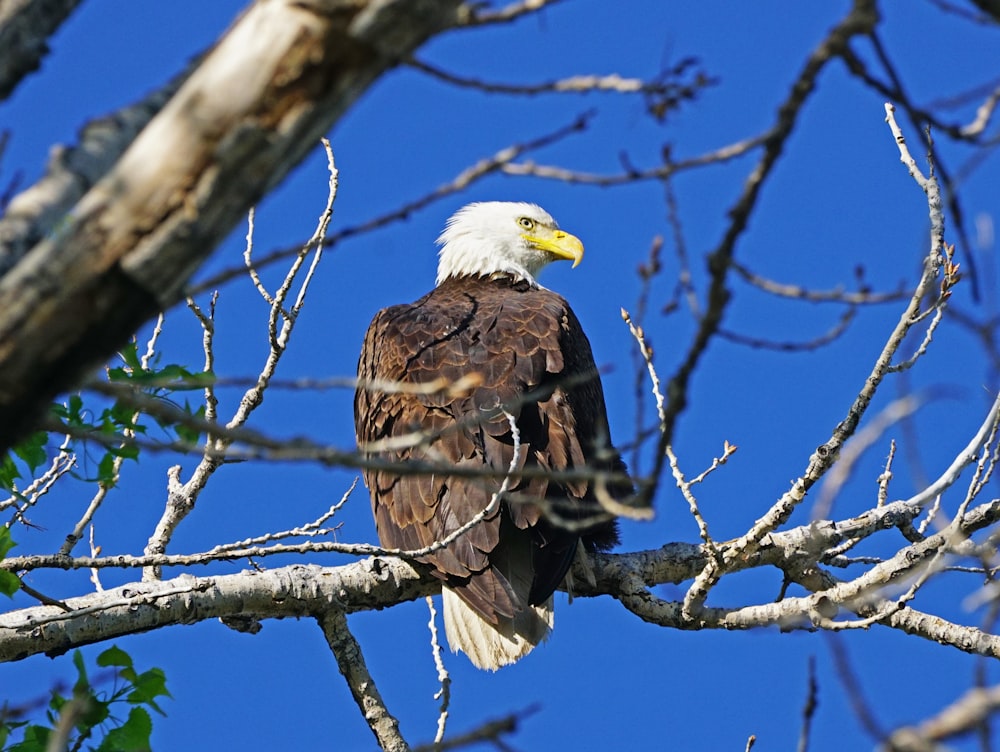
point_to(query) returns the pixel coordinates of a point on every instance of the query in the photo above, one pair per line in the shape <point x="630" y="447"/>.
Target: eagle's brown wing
<point x="532" y="361"/>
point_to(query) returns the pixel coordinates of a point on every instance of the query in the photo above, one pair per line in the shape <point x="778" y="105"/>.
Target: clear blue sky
<point x="605" y="680"/>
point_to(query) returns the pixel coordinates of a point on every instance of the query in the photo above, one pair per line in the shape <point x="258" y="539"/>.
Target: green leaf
<point x="36" y="739"/>
<point x="74" y="408"/>
<point x="130" y="354"/>
<point x="187" y="433"/>
<point x="200" y="380"/>
<point x="32" y="450"/>
<point x="94" y="711"/>
<point x="8" y="473"/>
<point x="106" y="470"/>
<point x="9" y="583"/>
<point x="55" y="703"/>
<point x="114" y="656"/>
<point x="131" y="736"/>
<point x="82" y="683"/>
<point x="147" y="687"/>
<point x="6" y="542"/>
<point x="122" y="414"/>
<point x="127" y="451"/>
<point x="171" y="372"/>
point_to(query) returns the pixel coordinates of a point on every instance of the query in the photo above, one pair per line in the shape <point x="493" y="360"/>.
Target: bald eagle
<point x="523" y="376"/>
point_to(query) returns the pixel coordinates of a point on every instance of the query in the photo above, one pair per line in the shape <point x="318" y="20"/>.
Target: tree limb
<point x="282" y="75"/>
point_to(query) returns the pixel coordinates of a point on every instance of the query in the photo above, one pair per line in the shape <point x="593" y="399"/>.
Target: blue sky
<point x="839" y="199"/>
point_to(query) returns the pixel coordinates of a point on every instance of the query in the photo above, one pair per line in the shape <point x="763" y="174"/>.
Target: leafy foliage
<point x="9" y="582"/>
<point x="111" y="427"/>
<point x="89" y="712"/>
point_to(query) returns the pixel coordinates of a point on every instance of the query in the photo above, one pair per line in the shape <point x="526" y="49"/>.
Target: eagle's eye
<point x="527" y="223"/>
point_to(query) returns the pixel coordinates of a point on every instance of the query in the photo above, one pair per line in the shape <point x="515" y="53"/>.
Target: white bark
<point x="258" y="102"/>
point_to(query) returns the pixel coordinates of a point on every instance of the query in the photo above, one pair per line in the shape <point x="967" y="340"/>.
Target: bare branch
<point x="572" y="85"/>
<point x="473" y="16"/>
<point x="351" y="663"/>
<point x="182" y="497"/>
<point x="960" y="718"/>
<point x="863" y="296"/>
<point x="859" y="20"/>
<point x="443" y="694"/>
<point x="809" y="709"/>
<point x="460" y="182"/>
<point x="24" y="28"/>
<point x="822" y="340"/>
<point x="251" y="111"/>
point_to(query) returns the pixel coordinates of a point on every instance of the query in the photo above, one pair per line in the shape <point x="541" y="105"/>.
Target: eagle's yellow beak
<point x="558" y="243"/>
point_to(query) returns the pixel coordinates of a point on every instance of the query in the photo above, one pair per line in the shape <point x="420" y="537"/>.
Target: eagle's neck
<point x="516" y="282"/>
<point x="475" y="254"/>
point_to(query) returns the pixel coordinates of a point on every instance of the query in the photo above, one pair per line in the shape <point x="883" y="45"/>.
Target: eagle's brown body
<point x="533" y="361"/>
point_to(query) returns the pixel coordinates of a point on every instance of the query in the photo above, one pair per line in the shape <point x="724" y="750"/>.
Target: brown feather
<point x="521" y="341"/>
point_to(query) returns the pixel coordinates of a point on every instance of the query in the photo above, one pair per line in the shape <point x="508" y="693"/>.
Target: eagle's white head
<point x="499" y="236"/>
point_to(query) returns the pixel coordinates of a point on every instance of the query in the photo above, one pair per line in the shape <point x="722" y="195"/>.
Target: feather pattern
<point x="528" y="357"/>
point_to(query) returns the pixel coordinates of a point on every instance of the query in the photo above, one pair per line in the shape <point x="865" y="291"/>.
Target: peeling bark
<point x="259" y="101"/>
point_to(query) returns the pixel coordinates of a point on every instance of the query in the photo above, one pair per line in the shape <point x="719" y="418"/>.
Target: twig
<point x="95" y="551"/>
<point x="962" y="717"/>
<point x="659" y="173"/>
<point x="459" y="183"/>
<point x="823" y="458"/>
<point x="862" y="296"/>
<point x="63" y="462"/>
<point x="443" y="694"/>
<point x="964" y="458"/>
<point x="312" y="529"/>
<point x="477" y="16"/>
<point x="853" y="451"/>
<point x="685" y="487"/>
<point x="822" y="340"/>
<point x="809" y="709"/>
<point x="490" y="731"/>
<point x="855" y="694"/>
<point x="182" y="497"/>
<point x="351" y="663"/>
<point x="571" y="85"/>
<point x="116" y="465"/>
<point x="886" y="477"/>
<point x="860" y="20"/>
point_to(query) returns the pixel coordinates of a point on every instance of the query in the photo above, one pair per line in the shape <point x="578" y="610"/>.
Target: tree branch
<point x="351" y="663"/>
<point x="282" y="75"/>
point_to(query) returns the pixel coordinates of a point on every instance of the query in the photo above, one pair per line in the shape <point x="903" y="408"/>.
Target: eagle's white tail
<point x="488" y="646"/>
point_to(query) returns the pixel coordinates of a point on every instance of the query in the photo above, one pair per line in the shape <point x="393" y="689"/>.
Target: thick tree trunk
<point x="25" y="26"/>
<point x="260" y="100"/>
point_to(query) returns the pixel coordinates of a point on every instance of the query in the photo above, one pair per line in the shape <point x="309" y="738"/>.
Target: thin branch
<point x="860" y="20"/>
<point x="491" y="731"/>
<point x="824" y="457"/>
<point x="962" y="717"/>
<point x="863" y="296"/>
<point x="351" y="663"/>
<point x="855" y="695"/>
<point x="661" y="172"/>
<point x="758" y="343"/>
<point x="444" y="678"/>
<point x="962" y="460"/>
<point x="478" y="16"/>
<point x="182" y="497"/>
<point x="116" y="464"/>
<point x="855" y="449"/>
<point x="809" y="708"/>
<point x="459" y="183"/>
<point x="573" y="84"/>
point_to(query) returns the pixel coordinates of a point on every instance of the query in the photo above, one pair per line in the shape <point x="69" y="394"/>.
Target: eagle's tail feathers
<point x="488" y="646"/>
